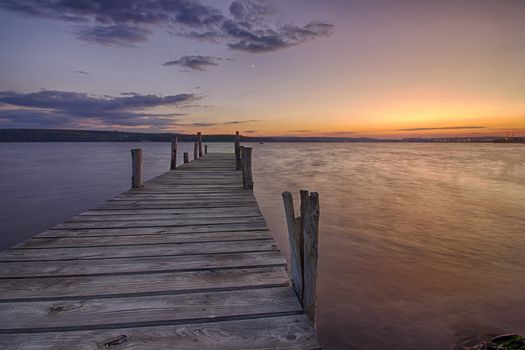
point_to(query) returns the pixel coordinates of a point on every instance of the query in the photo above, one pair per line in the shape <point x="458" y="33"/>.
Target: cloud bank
<point x="247" y="26"/>
<point x="72" y="109"/>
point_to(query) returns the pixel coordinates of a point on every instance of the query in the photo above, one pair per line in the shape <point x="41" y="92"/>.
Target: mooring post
<point x="186" y="157"/>
<point x="303" y="234"/>
<point x="205" y="149"/>
<point x="196" y="150"/>
<point x="199" y="140"/>
<point x="173" y="163"/>
<point x="238" y="150"/>
<point x="311" y="255"/>
<point x="136" y="168"/>
<point x="295" y="238"/>
<point x="247" y="179"/>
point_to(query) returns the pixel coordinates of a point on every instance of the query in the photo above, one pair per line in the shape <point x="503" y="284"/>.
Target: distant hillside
<point x="59" y="135"/>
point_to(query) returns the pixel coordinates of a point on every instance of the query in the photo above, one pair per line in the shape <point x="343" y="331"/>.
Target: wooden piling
<point x="303" y="234"/>
<point x="199" y="141"/>
<point x="205" y="149"/>
<point x="238" y="150"/>
<point x="136" y="168"/>
<point x="186" y="157"/>
<point x="295" y="238"/>
<point x="173" y="163"/>
<point x="310" y="255"/>
<point x="196" y="150"/>
<point x="247" y="179"/>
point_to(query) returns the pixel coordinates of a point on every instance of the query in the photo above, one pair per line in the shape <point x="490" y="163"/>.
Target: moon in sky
<point x="253" y="65"/>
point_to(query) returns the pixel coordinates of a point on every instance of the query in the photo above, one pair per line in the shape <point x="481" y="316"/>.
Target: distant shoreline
<point x="62" y="135"/>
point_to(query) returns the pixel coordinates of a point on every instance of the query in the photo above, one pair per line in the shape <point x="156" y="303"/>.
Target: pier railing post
<point x="304" y="241"/>
<point x="136" y="168"/>
<point x="199" y="140"/>
<point x="205" y="149"/>
<point x="238" y="150"/>
<point x="196" y="150"/>
<point x="173" y="163"/>
<point x="247" y="179"/>
<point x="185" y="156"/>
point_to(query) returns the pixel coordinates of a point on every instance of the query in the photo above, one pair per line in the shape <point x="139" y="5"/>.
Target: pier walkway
<point x="186" y="262"/>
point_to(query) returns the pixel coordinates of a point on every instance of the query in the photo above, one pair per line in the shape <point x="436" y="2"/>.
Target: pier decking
<point x="186" y="262"/>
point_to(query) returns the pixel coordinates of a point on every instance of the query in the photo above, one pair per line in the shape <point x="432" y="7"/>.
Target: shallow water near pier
<point x="422" y="246"/>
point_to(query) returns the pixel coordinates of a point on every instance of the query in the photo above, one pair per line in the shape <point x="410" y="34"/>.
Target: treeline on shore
<point x="62" y="135"/>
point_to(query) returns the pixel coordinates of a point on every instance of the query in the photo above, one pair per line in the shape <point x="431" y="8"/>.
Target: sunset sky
<point x="376" y="68"/>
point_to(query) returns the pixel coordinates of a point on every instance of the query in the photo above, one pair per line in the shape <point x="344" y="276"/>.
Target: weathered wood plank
<point x="68" y="268"/>
<point x="151" y="283"/>
<point x="152" y="216"/>
<point x="152" y="230"/>
<point x="70" y="314"/>
<point x="81" y="241"/>
<point x="181" y="211"/>
<point x="164" y="249"/>
<point x="285" y="332"/>
<point x="158" y="223"/>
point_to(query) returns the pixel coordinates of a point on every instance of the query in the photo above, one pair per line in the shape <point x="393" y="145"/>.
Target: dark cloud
<point x="234" y="122"/>
<point x="121" y="35"/>
<point x="247" y="27"/>
<point x="443" y="128"/>
<point x="81" y="72"/>
<point x="267" y="40"/>
<point x="199" y="63"/>
<point x="250" y="131"/>
<point x="64" y="108"/>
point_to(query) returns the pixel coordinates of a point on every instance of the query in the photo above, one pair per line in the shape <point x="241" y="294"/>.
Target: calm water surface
<point x="422" y="245"/>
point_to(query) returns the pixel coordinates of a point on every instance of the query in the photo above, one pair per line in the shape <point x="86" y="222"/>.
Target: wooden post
<point x="173" y="163"/>
<point x="186" y="157"/>
<point x="311" y="254"/>
<point x="205" y="149"/>
<point x="238" y="150"/>
<point x="303" y="235"/>
<point x="247" y="180"/>
<point x="196" y="150"/>
<point x="295" y="238"/>
<point x="136" y="168"/>
<point x="199" y="140"/>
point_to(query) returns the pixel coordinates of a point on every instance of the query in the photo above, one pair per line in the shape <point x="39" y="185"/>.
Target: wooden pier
<point x="185" y="261"/>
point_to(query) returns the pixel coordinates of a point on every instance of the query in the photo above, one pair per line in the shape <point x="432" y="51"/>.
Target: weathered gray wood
<point x="136" y="168"/>
<point x="199" y="140"/>
<point x="70" y="268"/>
<point x="237" y="151"/>
<point x="295" y="239"/>
<point x="247" y="178"/>
<point x="196" y="151"/>
<point x="310" y="252"/>
<point x="285" y="332"/>
<point x="80" y="241"/>
<point x="173" y="163"/>
<point x="150" y="283"/>
<point x="152" y="215"/>
<point x="164" y="249"/>
<point x="131" y="231"/>
<point x="186" y="157"/>
<point x="158" y="223"/>
<point x="161" y="212"/>
<point x="28" y="316"/>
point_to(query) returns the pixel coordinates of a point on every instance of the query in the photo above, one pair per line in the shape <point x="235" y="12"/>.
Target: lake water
<point x="422" y="246"/>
